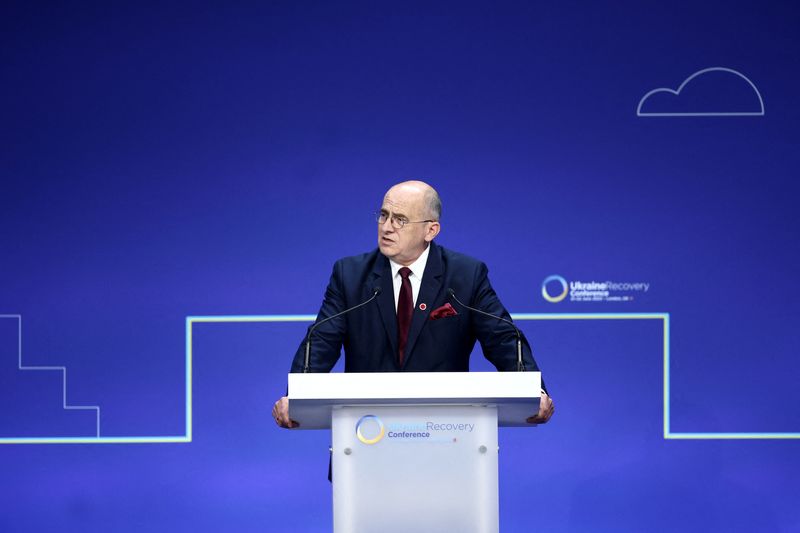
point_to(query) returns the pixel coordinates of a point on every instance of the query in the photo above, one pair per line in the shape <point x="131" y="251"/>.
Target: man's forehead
<point x="402" y="201"/>
<point x="394" y="204"/>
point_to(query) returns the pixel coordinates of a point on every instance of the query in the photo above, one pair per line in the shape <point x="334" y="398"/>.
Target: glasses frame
<point x="397" y="223"/>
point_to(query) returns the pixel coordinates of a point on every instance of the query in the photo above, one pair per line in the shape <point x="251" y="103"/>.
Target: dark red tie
<point x="405" y="309"/>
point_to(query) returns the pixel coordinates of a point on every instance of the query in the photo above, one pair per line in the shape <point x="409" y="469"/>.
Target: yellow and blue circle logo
<point x="552" y="280"/>
<point x="370" y="429"/>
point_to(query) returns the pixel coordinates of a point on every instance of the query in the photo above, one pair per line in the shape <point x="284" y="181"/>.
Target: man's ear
<point x="433" y="231"/>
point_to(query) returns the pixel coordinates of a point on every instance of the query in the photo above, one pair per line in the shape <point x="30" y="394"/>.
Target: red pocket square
<point x="443" y="311"/>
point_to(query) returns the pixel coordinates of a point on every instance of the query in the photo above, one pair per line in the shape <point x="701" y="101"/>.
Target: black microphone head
<point x="376" y="291"/>
<point x="451" y="292"/>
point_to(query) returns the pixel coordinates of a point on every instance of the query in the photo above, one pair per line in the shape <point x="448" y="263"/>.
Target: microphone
<point x="307" y="362"/>
<point x="520" y="365"/>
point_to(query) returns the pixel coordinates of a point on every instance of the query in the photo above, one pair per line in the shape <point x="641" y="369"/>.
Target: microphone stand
<point x="520" y="364"/>
<point x="307" y="361"/>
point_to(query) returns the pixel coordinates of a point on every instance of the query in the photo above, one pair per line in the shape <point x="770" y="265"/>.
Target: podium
<point x="414" y="451"/>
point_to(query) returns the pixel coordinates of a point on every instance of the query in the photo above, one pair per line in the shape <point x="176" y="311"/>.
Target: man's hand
<point x="546" y="409"/>
<point x="280" y="412"/>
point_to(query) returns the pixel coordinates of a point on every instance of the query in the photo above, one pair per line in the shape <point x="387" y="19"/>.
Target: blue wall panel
<point x="165" y="162"/>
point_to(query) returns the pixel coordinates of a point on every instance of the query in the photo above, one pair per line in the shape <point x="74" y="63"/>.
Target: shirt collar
<point x="417" y="267"/>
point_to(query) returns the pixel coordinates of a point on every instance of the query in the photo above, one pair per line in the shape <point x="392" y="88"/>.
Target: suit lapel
<point x="382" y="276"/>
<point x="428" y="293"/>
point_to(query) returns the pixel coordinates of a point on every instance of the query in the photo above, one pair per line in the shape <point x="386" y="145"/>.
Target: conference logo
<point x="556" y="289"/>
<point x="551" y="281"/>
<point x="370" y="429"/>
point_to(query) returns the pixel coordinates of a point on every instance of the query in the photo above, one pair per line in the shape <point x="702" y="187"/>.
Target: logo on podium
<point x="370" y="429"/>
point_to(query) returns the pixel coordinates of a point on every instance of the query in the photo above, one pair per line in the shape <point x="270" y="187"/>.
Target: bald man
<point x="413" y="325"/>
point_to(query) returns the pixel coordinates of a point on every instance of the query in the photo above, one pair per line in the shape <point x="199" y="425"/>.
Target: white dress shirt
<point x="417" y="269"/>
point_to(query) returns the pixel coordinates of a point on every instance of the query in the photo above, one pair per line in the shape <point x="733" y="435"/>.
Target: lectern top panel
<point x="313" y="396"/>
<point x="415" y="385"/>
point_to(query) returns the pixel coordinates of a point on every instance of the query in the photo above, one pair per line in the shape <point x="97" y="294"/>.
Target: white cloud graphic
<point x="704" y="109"/>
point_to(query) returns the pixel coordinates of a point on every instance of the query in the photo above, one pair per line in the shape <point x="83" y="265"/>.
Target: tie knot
<point x="405" y="272"/>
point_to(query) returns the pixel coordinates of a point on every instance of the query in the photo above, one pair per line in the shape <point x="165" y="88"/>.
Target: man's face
<point x="405" y="245"/>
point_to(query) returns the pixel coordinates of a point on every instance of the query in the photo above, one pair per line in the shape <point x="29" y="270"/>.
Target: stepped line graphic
<point x="62" y="369"/>
<point x="97" y="439"/>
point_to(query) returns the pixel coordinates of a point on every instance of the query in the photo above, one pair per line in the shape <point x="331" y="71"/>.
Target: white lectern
<point x="414" y="451"/>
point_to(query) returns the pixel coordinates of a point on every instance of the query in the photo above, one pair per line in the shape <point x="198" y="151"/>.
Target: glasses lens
<point x="397" y="222"/>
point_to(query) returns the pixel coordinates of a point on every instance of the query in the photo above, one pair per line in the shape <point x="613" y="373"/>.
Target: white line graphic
<point x="221" y="319"/>
<point x="677" y="92"/>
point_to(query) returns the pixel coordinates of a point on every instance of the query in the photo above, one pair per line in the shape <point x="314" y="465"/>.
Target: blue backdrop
<point x="171" y="161"/>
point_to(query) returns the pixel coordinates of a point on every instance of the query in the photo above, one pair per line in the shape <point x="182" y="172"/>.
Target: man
<point x="414" y="325"/>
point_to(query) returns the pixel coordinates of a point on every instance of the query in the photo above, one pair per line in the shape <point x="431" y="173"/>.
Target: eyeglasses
<point x="397" y="221"/>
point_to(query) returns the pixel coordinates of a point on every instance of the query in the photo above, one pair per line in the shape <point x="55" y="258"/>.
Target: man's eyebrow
<point x="395" y="214"/>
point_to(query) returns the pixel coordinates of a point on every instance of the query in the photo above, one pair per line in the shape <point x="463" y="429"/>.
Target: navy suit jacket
<point x="369" y="334"/>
